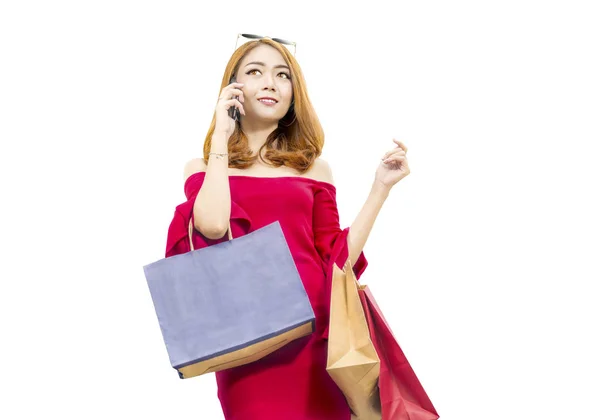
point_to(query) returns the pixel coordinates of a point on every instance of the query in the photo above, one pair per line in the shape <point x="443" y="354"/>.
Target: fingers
<point x="395" y="158"/>
<point x="236" y="87"/>
<point x="394" y="152"/>
<point x="232" y="95"/>
<point x="400" y="149"/>
<point x="398" y="162"/>
<point x="228" y="94"/>
<point x="236" y="103"/>
<point x="233" y="89"/>
<point x="238" y="93"/>
<point x="400" y="145"/>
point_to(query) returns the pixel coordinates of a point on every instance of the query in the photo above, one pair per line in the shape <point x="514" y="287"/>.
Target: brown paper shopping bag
<point x="352" y="360"/>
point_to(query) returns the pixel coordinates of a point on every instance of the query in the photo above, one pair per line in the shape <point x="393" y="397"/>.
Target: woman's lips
<point x="267" y="102"/>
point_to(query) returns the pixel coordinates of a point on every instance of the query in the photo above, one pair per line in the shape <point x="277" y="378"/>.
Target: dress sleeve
<point x="326" y="227"/>
<point x="178" y="241"/>
<point x="178" y="235"/>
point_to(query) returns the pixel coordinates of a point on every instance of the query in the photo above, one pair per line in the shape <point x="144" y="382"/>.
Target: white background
<point x="484" y="259"/>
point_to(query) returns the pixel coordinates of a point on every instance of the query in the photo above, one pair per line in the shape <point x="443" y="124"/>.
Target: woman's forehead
<point x="265" y="54"/>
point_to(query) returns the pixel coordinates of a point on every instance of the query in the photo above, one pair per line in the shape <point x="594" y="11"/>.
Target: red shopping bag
<point x="401" y="394"/>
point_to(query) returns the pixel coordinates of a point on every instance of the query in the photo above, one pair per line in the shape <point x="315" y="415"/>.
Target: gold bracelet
<point x="219" y="155"/>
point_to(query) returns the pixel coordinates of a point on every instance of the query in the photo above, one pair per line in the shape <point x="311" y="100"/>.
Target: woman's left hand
<point x="393" y="167"/>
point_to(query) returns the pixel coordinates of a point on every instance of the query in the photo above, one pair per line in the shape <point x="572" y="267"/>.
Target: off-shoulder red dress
<point x="290" y="383"/>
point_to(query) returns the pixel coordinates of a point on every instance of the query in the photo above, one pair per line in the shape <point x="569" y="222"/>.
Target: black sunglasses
<point x="252" y="36"/>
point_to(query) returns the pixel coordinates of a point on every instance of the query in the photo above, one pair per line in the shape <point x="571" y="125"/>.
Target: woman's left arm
<point x="393" y="167"/>
<point x="363" y="223"/>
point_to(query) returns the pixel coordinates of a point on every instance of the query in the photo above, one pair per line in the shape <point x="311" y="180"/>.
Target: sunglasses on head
<point x="252" y="36"/>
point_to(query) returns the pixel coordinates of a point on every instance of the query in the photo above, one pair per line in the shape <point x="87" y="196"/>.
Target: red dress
<point x="290" y="383"/>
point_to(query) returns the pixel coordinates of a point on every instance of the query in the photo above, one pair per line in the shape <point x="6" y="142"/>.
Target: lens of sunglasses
<point x="282" y="41"/>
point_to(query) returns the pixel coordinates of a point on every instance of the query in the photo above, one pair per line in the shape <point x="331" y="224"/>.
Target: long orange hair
<point x="299" y="134"/>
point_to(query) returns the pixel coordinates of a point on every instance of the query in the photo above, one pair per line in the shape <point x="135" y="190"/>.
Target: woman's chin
<point x="262" y="117"/>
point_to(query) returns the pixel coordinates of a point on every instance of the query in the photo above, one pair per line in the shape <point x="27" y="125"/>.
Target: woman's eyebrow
<point x="260" y="63"/>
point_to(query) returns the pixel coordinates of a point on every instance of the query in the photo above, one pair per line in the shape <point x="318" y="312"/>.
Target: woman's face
<point x="264" y="73"/>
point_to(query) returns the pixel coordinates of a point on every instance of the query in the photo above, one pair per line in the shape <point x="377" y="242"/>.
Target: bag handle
<point x="340" y="256"/>
<point x="191" y="229"/>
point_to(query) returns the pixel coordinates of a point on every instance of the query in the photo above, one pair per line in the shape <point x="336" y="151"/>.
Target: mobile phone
<point x="233" y="111"/>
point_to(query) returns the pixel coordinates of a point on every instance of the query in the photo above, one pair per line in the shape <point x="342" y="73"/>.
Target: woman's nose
<point x="269" y="81"/>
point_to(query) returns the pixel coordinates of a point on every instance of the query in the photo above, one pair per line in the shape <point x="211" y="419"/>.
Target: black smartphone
<point x="233" y="111"/>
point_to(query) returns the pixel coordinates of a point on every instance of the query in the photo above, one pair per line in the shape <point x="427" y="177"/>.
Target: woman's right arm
<point x="212" y="207"/>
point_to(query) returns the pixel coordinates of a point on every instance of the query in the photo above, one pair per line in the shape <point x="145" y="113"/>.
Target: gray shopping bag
<point x="231" y="303"/>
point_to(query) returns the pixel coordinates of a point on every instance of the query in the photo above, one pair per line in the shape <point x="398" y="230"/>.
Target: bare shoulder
<point x="193" y="166"/>
<point x="321" y="171"/>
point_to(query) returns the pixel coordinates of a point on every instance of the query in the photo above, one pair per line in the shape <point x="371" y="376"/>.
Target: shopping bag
<point x="401" y="394"/>
<point x="231" y="303"/>
<point x="352" y="360"/>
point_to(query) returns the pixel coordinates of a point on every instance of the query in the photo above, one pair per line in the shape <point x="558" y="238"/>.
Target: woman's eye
<point x="286" y="75"/>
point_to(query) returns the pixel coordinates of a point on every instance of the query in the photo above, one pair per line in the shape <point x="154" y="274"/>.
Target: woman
<point x="262" y="168"/>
